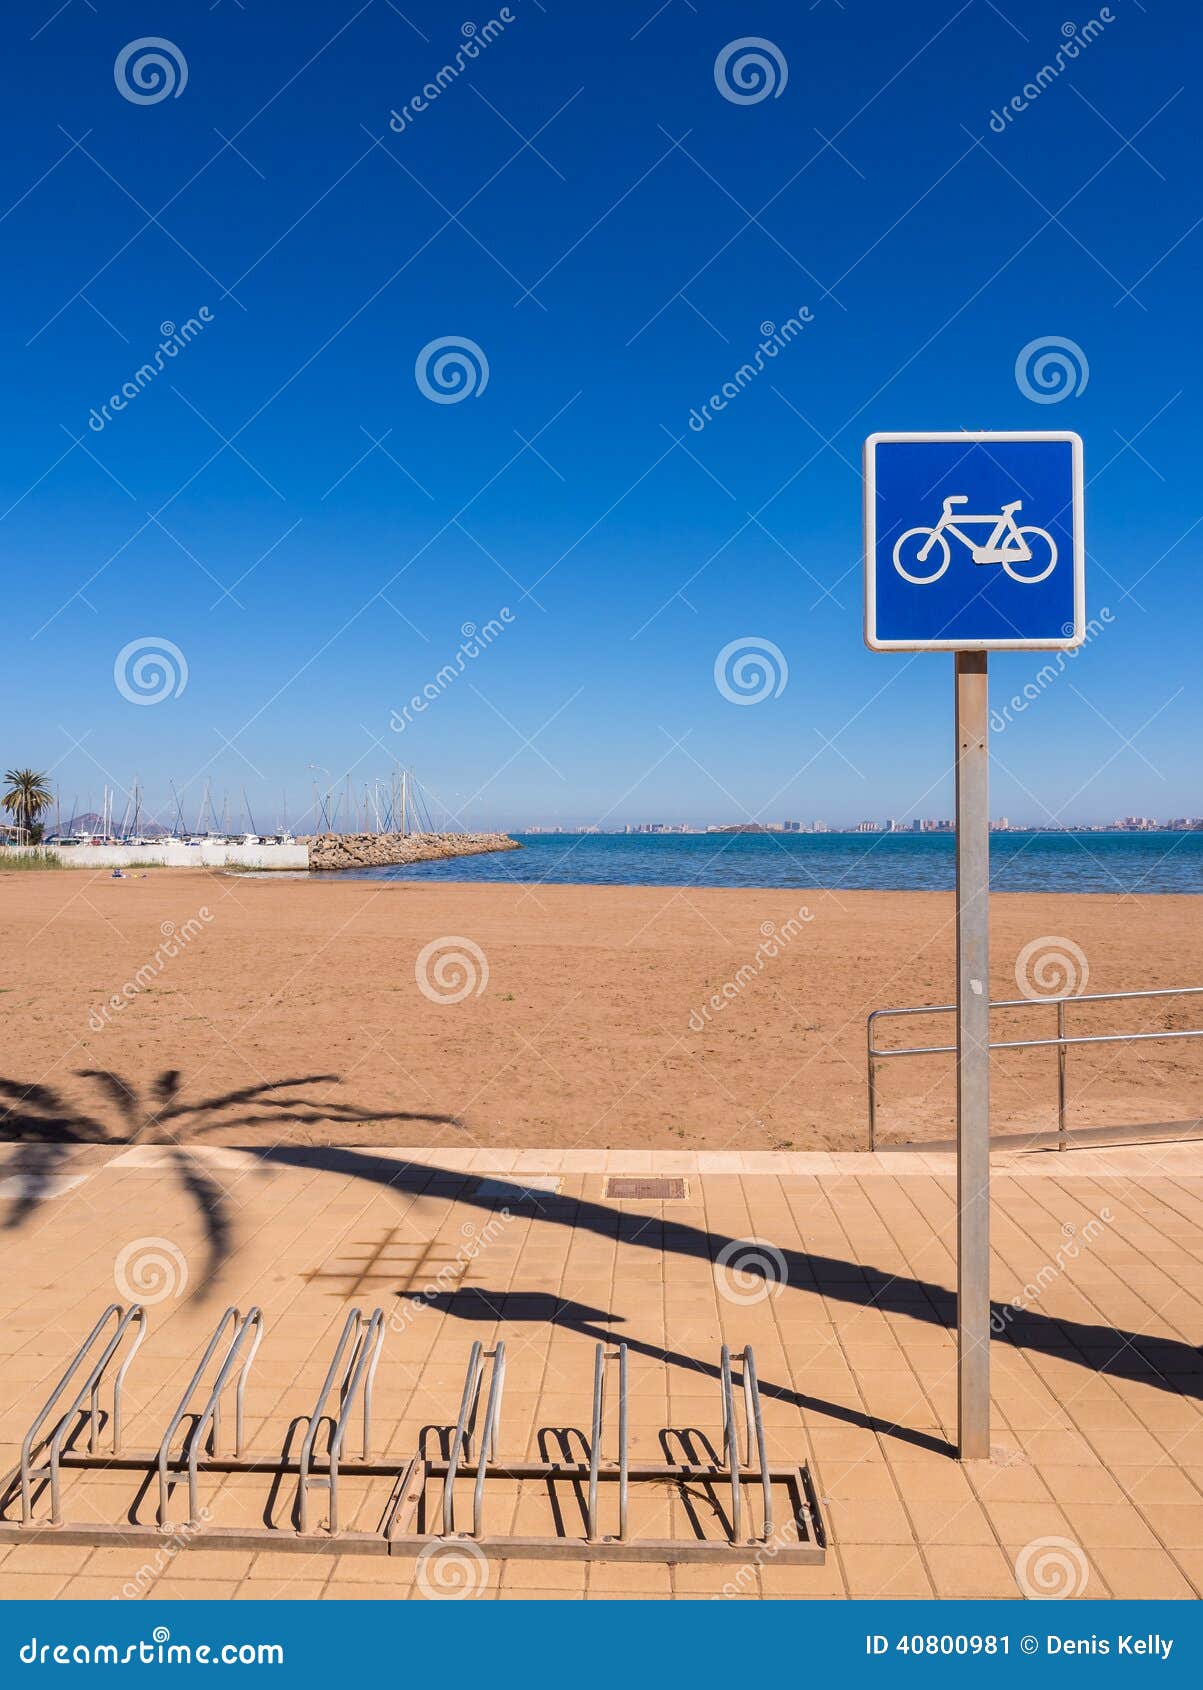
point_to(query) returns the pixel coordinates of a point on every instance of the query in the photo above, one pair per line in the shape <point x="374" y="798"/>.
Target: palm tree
<point x="27" y="796"/>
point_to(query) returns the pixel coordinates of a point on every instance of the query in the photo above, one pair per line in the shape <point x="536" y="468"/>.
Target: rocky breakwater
<point x="387" y="850"/>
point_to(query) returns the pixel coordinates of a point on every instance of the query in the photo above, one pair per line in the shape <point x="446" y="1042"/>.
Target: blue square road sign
<point x="974" y="542"/>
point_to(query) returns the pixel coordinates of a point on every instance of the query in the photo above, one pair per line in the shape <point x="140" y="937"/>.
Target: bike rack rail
<point x="1060" y="1043"/>
<point x="210" y="1416"/>
<point x="121" y="1320"/>
<point x="600" y="1359"/>
<point x="361" y="1341"/>
<point x="419" y="1514"/>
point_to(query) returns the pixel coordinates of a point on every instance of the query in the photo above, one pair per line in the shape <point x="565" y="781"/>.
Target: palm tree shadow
<point x="1161" y="1362"/>
<point x="48" y="1127"/>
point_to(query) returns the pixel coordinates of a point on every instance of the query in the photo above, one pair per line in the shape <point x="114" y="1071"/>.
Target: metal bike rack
<point x="206" y="1428"/>
<point x="121" y="1320"/>
<point x="360" y="1346"/>
<point x="800" y="1540"/>
<point x="600" y="1359"/>
<point x="419" y="1513"/>
<point x="1061" y="1043"/>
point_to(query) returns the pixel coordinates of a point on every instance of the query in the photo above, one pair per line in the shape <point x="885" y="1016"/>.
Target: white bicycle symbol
<point x="1007" y="544"/>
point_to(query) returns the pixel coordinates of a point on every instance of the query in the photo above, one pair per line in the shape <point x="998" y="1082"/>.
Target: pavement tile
<point x="1179" y="1525"/>
<point x="885" y="1570"/>
<point x="1113" y="1463"/>
<point x="963" y="1521"/>
<point x="1108" y="1525"/>
<point x="1143" y="1573"/>
<point x="1021" y="1522"/>
<point x="980" y="1571"/>
<point x="1191" y="1563"/>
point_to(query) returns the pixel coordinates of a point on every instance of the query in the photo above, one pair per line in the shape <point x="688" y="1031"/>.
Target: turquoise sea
<point x="896" y="862"/>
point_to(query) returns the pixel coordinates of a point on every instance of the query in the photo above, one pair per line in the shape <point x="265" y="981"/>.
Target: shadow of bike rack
<point x="760" y="1509"/>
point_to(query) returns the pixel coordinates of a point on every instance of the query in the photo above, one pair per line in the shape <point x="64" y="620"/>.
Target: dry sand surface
<point x="292" y="1012"/>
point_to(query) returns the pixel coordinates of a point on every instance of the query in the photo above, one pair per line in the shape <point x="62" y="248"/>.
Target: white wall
<point x="176" y="855"/>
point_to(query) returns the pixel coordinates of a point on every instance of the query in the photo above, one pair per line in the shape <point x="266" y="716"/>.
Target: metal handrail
<point x="1061" y="1043"/>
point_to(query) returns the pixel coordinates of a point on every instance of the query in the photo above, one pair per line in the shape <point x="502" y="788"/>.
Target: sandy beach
<point x="250" y="1011"/>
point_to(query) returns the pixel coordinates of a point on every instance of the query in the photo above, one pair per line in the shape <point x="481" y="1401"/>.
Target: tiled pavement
<point x="1097" y="1373"/>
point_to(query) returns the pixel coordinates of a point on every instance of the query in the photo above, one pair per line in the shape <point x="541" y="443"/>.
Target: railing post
<point x="1062" y="1058"/>
<point x="872" y="1065"/>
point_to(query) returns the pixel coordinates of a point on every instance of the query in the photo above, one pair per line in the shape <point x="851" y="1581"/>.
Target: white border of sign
<point x="1079" y="559"/>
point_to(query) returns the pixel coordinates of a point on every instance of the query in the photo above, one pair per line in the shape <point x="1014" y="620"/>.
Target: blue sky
<point x="587" y="208"/>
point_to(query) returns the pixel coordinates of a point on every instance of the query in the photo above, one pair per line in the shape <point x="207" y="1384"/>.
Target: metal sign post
<point x="973" y="543"/>
<point x="973" y="1056"/>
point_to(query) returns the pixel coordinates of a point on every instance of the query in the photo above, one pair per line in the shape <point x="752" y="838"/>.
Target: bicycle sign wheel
<point x="1042" y="561"/>
<point x="940" y="555"/>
